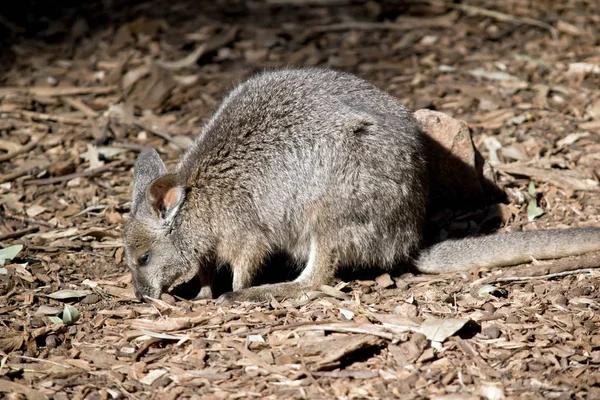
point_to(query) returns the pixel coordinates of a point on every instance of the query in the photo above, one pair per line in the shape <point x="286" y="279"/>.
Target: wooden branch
<point x="28" y="147"/>
<point x="405" y="24"/>
<point x="546" y="269"/>
<point x="86" y="174"/>
<point x="503" y="17"/>
<point x="23" y="171"/>
<point x="28" y="220"/>
<point x="50" y="91"/>
<point x="38" y="116"/>
<point x="19" y="233"/>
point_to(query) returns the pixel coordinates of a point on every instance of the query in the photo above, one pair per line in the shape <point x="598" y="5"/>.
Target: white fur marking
<point x="310" y="265"/>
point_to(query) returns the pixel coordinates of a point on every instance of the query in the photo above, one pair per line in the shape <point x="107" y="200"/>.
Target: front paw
<point x="254" y="294"/>
<point x="225" y="298"/>
<point x="204" y="293"/>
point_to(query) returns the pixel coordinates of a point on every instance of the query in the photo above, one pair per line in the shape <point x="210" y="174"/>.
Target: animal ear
<point x="148" y="167"/>
<point x="165" y="195"/>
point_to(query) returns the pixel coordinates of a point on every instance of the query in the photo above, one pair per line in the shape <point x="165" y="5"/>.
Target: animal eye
<point x="143" y="259"/>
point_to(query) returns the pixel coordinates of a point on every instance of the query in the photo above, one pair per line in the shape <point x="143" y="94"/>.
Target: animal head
<point x="154" y="245"/>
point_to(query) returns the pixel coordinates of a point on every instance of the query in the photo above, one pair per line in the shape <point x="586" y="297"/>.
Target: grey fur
<point x="313" y="162"/>
<point x="506" y="249"/>
<point x="148" y="167"/>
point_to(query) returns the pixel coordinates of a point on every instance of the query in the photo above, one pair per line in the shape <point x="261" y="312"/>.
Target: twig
<point x="23" y="171"/>
<point x="41" y="360"/>
<point x="133" y="146"/>
<point x="547" y="276"/>
<point x="19" y="233"/>
<point x="31" y="221"/>
<point x="28" y="147"/>
<point x="320" y="3"/>
<point x="87" y="174"/>
<point x="569" y="180"/>
<point x="500" y="16"/>
<point x="38" y="116"/>
<point x="402" y="25"/>
<point x="80" y="106"/>
<point x="48" y="91"/>
<point x="271" y="329"/>
<point x="346" y="328"/>
<point x="546" y="269"/>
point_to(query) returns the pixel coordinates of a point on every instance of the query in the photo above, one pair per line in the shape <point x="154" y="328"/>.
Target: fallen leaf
<point x="35" y="210"/>
<point x="491" y="290"/>
<point x="438" y="330"/>
<point x="70" y="315"/>
<point x="153" y="376"/>
<point x="256" y="339"/>
<point x="68" y="294"/>
<point x="170" y="324"/>
<point x="58" y="234"/>
<point x="47" y="310"/>
<point x="533" y="210"/>
<point x="159" y="335"/>
<point x="92" y="157"/>
<point x="110" y="152"/>
<point x="572" y="138"/>
<point x="332" y="351"/>
<point x="123" y="293"/>
<point x="346" y="314"/>
<point x="492" y="75"/>
<point x="10" y="252"/>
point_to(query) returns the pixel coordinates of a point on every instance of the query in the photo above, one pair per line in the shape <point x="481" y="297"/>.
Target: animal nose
<point x="141" y="289"/>
<point x="138" y="294"/>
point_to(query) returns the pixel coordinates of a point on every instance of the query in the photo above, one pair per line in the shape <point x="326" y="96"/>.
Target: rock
<point x="384" y="280"/>
<point x="456" y="168"/>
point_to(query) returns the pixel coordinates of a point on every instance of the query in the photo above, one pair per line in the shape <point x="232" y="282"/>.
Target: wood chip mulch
<point x="84" y="87"/>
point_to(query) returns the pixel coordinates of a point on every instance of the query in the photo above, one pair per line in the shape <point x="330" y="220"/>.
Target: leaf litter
<point x="524" y="79"/>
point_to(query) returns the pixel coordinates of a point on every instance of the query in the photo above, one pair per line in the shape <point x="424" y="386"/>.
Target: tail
<point x="506" y="249"/>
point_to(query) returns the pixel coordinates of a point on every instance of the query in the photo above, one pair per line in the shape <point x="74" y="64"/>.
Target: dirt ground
<point x="83" y="87"/>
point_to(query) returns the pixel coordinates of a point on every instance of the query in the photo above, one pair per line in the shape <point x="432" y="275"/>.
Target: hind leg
<point x="320" y="269"/>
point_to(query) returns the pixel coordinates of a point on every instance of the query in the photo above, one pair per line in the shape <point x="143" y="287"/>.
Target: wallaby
<point x="316" y="163"/>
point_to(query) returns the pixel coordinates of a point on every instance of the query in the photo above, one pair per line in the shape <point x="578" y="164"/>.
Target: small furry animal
<point x="315" y="163"/>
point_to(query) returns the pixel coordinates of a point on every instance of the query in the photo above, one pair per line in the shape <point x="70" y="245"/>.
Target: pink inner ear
<point x="171" y="197"/>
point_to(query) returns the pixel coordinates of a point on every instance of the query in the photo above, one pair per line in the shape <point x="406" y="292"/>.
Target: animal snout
<point x="143" y="290"/>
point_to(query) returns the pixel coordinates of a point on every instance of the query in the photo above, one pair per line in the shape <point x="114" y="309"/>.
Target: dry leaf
<point x="66" y="294"/>
<point x="438" y="330"/>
